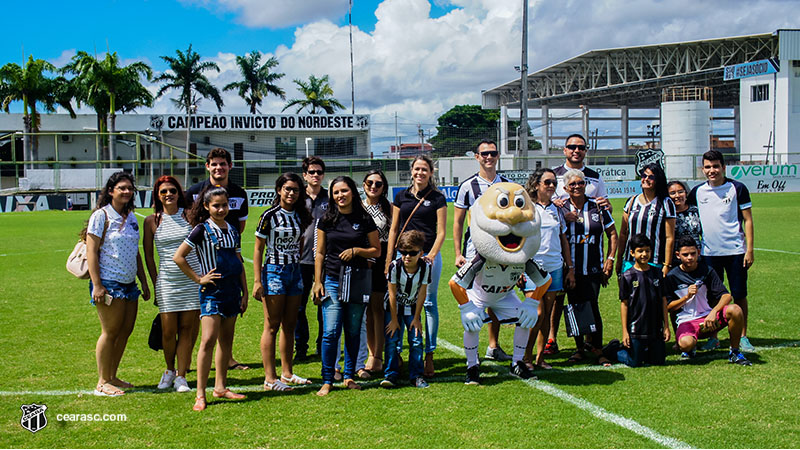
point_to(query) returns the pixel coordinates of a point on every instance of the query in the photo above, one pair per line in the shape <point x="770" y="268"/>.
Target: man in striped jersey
<point x="469" y="191"/>
<point x="575" y="150"/>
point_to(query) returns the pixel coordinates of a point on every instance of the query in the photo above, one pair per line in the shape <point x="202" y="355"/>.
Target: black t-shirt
<point x="317" y="208"/>
<point x="237" y="201"/>
<point x="424" y="219"/>
<point x="644" y="291"/>
<point x="350" y="231"/>
<point x="709" y="290"/>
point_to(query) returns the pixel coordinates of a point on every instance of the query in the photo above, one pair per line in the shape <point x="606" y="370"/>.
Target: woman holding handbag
<point x="423" y="208"/>
<point x="346" y="238"/>
<point x="175" y="293"/>
<point x="112" y="242"/>
<point x="592" y="267"/>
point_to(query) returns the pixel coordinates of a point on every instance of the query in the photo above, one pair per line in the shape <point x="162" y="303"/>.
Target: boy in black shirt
<point x="645" y="322"/>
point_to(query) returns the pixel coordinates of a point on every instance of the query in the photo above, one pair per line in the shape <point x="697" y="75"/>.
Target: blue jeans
<point x="336" y="316"/>
<point x="431" y="306"/>
<point x="642" y="351"/>
<point x="392" y="369"/>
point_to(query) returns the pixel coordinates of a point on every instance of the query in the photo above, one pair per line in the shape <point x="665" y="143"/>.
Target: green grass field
<point x="49" y="332"/>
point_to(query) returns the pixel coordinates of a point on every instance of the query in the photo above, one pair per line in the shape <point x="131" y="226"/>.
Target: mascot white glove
<point x="528" y="313"/>
<point x="472" y="316"/>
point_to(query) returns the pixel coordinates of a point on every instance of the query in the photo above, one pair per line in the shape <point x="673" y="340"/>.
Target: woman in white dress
<point x="176" y="295"/>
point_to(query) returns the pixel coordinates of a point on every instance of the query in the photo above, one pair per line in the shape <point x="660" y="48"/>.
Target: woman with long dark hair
<point x="346" y="239"/>
<point x="112" y="244"/>
<point x="651" y="213"/>
<point x="423" y="208"/>
<point x="279" y="283"/>
<point x="377" y="205"/>
<point x="175" y="294"/>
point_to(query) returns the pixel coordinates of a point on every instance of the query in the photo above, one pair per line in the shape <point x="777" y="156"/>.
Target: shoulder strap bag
<point x="77" y="261"/>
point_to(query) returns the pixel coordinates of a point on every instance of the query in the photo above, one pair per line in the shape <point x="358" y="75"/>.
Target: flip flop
<point x="351" y="384"/>
<point x="238" y="366"/>
<point x="108" y="390"/>
<point x="337" y="375"/>
<point x="294" y="379"/>
<point x="199" y="404"/>
<point x="364" y="374"/>
<point x="121" y="384"/>
<point x="276" y="385"/>
<point x="227" y="393"/>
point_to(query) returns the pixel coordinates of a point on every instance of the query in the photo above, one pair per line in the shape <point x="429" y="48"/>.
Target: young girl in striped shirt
<point x="223" y="291"/>
<point x="278" y="284"/>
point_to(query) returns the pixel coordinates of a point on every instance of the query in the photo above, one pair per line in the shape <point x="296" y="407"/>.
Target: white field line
<point x="34" y="253"/>
<point x="776" y="251"/>
<point x="600" y="413"/>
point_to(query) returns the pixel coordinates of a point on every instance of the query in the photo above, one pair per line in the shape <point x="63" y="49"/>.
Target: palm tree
<point x="187" y="76"/>
<point x="108" y="87"/>
<point x="318" y="95"/>
<point x="258" y="81"/>
<point x="29" y="85"/>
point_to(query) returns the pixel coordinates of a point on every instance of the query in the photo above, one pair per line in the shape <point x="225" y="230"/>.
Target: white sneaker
<point x="167" y="379"/>
<point x="181" y="385"/>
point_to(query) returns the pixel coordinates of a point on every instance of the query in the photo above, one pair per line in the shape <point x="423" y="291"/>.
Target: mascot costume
<point x="505" y="230"/>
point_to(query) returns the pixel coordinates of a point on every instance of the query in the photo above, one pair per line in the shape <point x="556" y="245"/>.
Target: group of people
<point x="372" y="268"/>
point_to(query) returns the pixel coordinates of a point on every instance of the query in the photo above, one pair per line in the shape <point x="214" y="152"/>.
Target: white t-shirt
<point x="553" y="224"/>
<point x="720" y="210"/>
<point x="489" y="281"/>
<point x="120" y="246"/>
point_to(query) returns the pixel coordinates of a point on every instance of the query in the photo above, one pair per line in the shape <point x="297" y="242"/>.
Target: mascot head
<point x="504" y="225"/>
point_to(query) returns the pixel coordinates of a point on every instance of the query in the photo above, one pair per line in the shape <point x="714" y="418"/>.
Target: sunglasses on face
<point x="166" y="191"/>
<point x="649" y="177"/>
<point x="549" y="182"/>
<point x="371" y="183"/>
<point x="575" y="184"/>
<point x="409" y="252"/>
<point x="489" y="154"/>
<point x="577" y="147"/>
<point x="316" y="172"/>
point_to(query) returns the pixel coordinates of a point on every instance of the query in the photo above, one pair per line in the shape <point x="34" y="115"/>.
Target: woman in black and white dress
<point x="176" y="294"/>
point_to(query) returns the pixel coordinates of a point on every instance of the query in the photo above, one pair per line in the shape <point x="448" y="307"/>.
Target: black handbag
<point x="579" y="319"/>
<point x="355" y="284"/>
<point x="154" y="340"/>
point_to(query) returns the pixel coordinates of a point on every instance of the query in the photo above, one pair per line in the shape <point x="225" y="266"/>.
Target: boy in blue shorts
<point x="645" y="321"/>
<point x="409" y="277"/>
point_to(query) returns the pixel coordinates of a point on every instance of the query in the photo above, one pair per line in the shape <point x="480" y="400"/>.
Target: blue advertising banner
<point x="751" y="69"/>
<point x="448" y="191"/>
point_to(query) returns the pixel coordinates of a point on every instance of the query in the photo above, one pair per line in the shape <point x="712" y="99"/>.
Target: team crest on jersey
<point x="635" y="284"/>
<point x="356" y="226"/>
<point x="727" y="200"/>
<point x="596" y="217"/>
<point x="426" y="203"/>
<point x="656" y="282"/>
<point x="235" y="203"/>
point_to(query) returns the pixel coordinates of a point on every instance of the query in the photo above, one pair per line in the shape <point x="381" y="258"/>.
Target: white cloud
<point x="277" y="13"/>
<point x="63" y="58"/>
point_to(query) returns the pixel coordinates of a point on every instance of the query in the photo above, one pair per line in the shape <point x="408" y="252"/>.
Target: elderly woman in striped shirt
<point x="278" y="284"/>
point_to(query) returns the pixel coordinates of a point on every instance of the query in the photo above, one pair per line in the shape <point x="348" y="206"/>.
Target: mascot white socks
<point x="505" y="231"/>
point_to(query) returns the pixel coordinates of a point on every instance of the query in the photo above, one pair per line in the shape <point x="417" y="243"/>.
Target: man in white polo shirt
<point x="727" y="220"/>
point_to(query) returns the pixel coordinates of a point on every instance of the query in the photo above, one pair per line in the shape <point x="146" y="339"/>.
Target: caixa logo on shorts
<point x="33" y="418"/>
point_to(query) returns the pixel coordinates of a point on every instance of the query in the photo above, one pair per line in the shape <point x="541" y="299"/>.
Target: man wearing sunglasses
<point x="469" y="191"/>
<point x="575" y="150"/>
<point x="317" y="204"/>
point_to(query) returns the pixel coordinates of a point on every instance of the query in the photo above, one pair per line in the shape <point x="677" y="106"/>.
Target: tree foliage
<point x="317" y="95"/>
<point x="461" y="128"/>
<point x="185" y="75"/>
<point x="257" y="80"/>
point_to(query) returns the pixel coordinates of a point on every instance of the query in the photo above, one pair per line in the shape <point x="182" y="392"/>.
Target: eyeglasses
<point x="125" y="188"/>
<point x="291" y="189"/>
<point x="166" y="191"/>
<point x="575" y="184"/>
<point x="489" y="154"/>
<point x="409" y="252"/>
<point x="549" y="182"/>
<point x="316" y="172"/>
<point x="576" y="147"/>
<point x="649" y="177"/>
<point x="371" y="183"/>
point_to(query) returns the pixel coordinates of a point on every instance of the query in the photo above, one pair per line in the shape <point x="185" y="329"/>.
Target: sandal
<point x="351" y="384"/>
<point x="543" y="366"/>
<point x="199" y="404"/>
<point x="603" y="361"/>
<point x="551" y="348"/>
<point x="121" y="384"/>
<point x="337" y="375"/>
<point x="528" y="363"/>
<point x="238" y="366"/>
<point x="227" y="393"/>
<point x="277" y="385"/>
<point x="108" y="390"/>
<point x="364" y="374"/>
<point x="294" y="379"/>
<point x="576" y="357"/>
<point x="374" y="364"/>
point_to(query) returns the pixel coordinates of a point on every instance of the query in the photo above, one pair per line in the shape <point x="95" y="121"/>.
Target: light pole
<point x="307" y="139"/>
<point x="191" y="109"/>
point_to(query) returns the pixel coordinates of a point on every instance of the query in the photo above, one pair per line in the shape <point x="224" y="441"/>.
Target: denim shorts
<point x="556" y="285"/>
<point x="282" y="279"/>
<point x="128" y="291"/>
<point x="224" y="299"/>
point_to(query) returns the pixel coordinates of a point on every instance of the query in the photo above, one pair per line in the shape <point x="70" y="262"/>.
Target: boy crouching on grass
<point x="691" y="289"/>
<point x="645" y="321"/>
<point x="409" y="277"/>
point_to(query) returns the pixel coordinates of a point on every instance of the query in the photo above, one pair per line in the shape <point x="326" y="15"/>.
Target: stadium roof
<point x="635" y="76"/>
